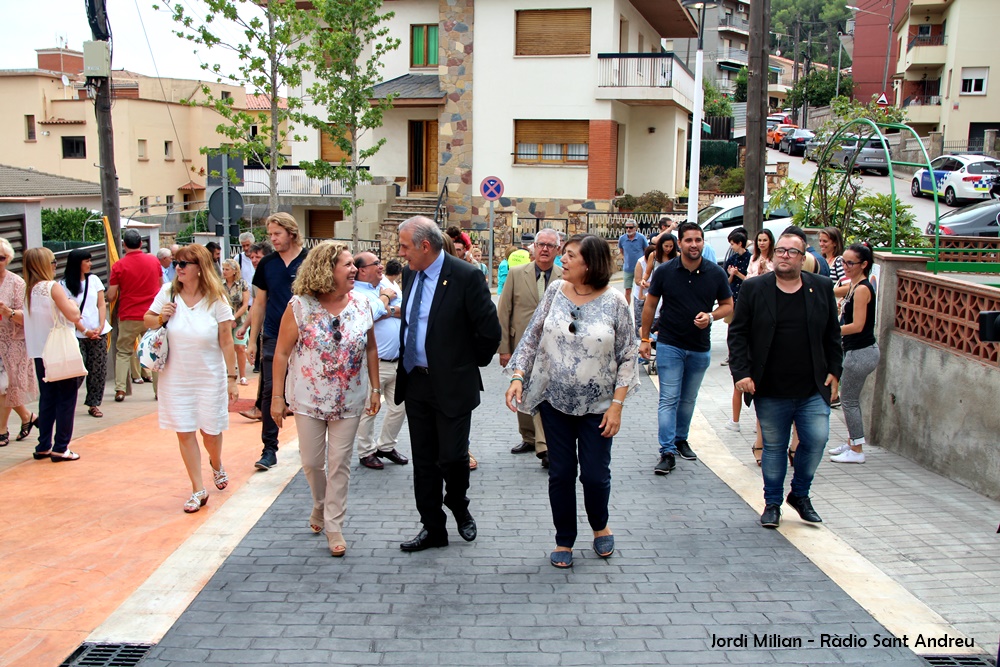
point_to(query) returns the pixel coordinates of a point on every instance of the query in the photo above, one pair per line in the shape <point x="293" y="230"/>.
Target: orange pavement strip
<point x="80" y="537"/>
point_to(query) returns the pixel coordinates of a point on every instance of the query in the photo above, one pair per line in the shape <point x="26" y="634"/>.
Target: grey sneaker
<point x="665" y="465"/>
<point x="685" y="452"/>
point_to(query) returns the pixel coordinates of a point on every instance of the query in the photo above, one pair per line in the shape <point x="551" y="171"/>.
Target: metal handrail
<point x="440" y="202"/>
<point x="926" y="40"/>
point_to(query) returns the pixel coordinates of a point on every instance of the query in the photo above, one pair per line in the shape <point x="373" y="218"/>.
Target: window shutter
<point x="552" y="32"/>
<point x="329" y="151"/>
<point x="552" y="131"/>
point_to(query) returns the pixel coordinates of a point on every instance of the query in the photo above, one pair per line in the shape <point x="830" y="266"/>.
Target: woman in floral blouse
<point x="324" y="342"/>
<point x="576" y="364"/>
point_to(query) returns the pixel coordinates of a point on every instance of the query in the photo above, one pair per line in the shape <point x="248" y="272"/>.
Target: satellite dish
<point x="65" y="80"/>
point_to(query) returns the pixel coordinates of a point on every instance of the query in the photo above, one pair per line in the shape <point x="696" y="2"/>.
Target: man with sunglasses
<point x="524" y="289"/>
<point x="690" y="286"/>
<point x="793" y="312"/>
<point x="135" y="280"/>
<point x="386" y="301"/>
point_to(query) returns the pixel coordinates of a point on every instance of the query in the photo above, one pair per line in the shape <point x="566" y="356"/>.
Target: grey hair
<point x="247" y="236"/>
<point x="551" y="232"/>
<point x="163" y="253"/>
<point x="424" y="229"/>
<point x="7" y="249"/>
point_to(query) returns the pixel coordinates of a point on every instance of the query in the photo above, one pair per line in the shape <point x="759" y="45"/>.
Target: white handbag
<point x="61" y="354"/>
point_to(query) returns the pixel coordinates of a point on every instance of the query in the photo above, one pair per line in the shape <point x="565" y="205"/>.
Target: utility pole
<point x="795" y="65"/>
<point x="756" y="155"/>
<point x="101" y="86"/>
<point x="805" y="83"/>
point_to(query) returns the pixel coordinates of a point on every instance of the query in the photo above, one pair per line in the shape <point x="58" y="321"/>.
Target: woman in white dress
<point x="200" y="373"/>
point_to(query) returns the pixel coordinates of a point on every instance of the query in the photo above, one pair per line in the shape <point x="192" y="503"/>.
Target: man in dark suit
<point x="449" y="329"/>
<point x="785" y="351"/>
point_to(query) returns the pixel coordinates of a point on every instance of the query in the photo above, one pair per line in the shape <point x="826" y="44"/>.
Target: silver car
<point x="870" y="151"/>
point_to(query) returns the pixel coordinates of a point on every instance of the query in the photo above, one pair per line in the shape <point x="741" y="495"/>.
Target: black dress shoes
<point x="523" y="448"/>
<point x="394" y="456"/>
<point x="804" y="507"/>
<point x="466" y="527"/>
<point x="425" y="540"/>
<point x="544" y="457"/>
<point x="771" y="516"/>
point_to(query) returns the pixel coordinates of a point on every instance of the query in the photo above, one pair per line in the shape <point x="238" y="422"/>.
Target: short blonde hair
<point x="315" y="276"/>
<point x="286" y="221"/>
<point x="7" y="249"/>
<point x="234" y="265"/>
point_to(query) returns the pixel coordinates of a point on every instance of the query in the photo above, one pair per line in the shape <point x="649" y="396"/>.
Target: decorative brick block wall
<point x="602" y="166"/>
<point x="455" y="122"/>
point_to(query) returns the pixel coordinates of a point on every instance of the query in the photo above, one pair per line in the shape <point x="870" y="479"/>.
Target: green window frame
<point x="424" y="45"/>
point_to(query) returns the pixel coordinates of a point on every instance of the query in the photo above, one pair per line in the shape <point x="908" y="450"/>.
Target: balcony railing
<point x="725" y="85"/>
<point x="926" y="40"/>
<point x="291" y="182"/>
<point x="922" y="100"/>
<point x="733" y="21"/>
<point x="631" y="70"/>
<point x="735" y="55"/>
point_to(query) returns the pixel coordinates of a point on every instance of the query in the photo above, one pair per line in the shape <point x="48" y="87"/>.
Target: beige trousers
<point x="325" y="448"/>
<point x="129" y="331"/>
<point x="531" y="431"/>
<point x="392" y="415"/>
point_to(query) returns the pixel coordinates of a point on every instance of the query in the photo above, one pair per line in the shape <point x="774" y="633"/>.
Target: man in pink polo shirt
<point x="135" y="280"/>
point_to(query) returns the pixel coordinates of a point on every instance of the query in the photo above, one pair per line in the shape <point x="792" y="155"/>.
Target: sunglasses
<point x="335" y="325"/>
<point x="182" y="264"/>
<point x="576" y="315"/>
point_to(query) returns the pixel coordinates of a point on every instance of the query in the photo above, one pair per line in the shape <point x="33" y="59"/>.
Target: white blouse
<point x="577" y="372"/>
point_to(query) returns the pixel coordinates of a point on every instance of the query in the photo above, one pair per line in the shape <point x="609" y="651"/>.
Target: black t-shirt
<point x="788" y="372"/>
<point x="683" y="294"/>
<point x="276" y="279"/>
<point x="865" y="337"/>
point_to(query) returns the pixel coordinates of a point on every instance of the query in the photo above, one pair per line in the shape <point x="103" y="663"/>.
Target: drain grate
<point x="959" y="661"/>
<point x="107" y="655"/>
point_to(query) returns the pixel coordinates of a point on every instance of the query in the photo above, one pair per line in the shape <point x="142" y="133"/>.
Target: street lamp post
<point x="699" y="97"/>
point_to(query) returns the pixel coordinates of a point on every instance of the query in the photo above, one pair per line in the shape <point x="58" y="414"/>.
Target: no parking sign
<point x="491" y="188"/>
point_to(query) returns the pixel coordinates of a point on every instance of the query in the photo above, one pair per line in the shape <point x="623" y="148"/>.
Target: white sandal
<point x="244" y="382"/>
<point x="196" y="501"/>
<point x="220" y="477"/>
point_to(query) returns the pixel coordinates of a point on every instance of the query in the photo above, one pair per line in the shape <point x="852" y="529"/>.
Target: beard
<point x="790" y="273"/>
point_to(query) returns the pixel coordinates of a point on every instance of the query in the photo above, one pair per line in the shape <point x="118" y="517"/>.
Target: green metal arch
<point x="875" y="129"/>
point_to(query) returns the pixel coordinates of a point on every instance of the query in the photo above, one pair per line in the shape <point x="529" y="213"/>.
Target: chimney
<point x="59" y="59"/>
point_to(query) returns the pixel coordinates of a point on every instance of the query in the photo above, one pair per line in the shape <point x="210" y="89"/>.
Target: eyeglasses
<point x="182" y="264"/>
<point x="788" y="252"/>
<point x="576" y="315"/>
<point x="335" y="325"/>
<point x="4" y="258"/>
<point x="549" y="246"/>
<point x="851" y="264"/>
<point x="55" y="263"/>
<point x="375" y="263"/>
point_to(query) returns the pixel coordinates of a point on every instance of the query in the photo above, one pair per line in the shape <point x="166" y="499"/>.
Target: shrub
<point x="67" y="224"/>
<point x="733" y="181"/>
<point x="653" y="201"/>
<point x="627" y="202"/>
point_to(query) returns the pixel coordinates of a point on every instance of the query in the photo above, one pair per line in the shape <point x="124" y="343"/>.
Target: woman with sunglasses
<point x="576" y="364"/>
<point x="861" y="353"/>
<point x="325" y="342"/>
<point x="200" y="375"/>
<point x="21" y="384"/>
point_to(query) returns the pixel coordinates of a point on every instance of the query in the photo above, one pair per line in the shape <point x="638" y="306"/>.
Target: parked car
<point x="982" y="219"/>
<point x="780" y="116"/>
<point x="815" y="147"/>
<point x="871" y="155"/>
<point x="794" y="143"/>
<point x="774" y="135"/>
<point x="958" y="178"/>
<point x="720" y="217"/>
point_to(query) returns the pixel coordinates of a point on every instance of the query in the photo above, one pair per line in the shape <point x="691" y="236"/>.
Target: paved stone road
<point x="692" y="562"/>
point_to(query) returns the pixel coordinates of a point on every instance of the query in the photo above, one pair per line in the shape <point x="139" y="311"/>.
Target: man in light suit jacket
<point x="449" y="330"/>
<point x="525" y="286"/>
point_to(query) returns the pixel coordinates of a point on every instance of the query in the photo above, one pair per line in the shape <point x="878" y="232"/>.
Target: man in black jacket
<point x="449" y="329"/>
<point x="785" y="351"/>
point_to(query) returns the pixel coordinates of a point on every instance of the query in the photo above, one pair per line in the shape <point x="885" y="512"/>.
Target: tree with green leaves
<point x="742" y="79"/>
<point x="716" y="104"/>
<point x="820" y="18"/>
<point x="272" y="48"/>
<point x="818" y="88"/>
<point x="71" y="224"/>
<point x="346" y="59"/>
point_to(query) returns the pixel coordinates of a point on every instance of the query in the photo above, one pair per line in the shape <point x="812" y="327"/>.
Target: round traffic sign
<point x="235" y="205"/>
<point x="491" y="188"/>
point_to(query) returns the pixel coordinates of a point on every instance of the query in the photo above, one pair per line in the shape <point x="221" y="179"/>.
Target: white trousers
<point x="392" y="415"/>
<point x="325" y="448"/>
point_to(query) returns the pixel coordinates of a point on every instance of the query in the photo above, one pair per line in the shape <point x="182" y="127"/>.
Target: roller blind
<point x="551" y="131"/>
<point x="329" y="151"/>
<point x="553" y="32"/>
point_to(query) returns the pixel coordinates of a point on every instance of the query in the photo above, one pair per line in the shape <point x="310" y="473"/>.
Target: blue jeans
<point x="681" y="373"/>
<point x="811" y="417"/>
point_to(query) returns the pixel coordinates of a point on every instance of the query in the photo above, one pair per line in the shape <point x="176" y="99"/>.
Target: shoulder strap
<point x="86" y="286"/>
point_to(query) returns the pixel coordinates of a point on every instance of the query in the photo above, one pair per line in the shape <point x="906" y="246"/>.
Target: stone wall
<point x="455" y="122"/>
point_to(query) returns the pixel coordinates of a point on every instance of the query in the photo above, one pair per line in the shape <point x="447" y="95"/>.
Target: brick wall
<point x="602" y="167"/>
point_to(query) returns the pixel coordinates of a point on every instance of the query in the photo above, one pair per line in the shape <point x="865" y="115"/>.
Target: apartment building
<point x="947" y="52"/>
<point x="726" y="41"/>
<point x="50" y="127"/>
<point x="871" y="30"/>
<point x="781" y="78"/>
<point x="564" y="102"/>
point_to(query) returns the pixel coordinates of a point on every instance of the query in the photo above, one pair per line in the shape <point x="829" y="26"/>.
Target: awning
<point x="191" y="186"/>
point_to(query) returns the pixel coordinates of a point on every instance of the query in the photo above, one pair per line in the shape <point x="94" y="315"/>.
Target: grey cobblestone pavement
<point x="692" y="564"/>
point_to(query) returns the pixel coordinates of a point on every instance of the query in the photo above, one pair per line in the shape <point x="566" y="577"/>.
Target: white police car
<point x="957" y="178"/>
